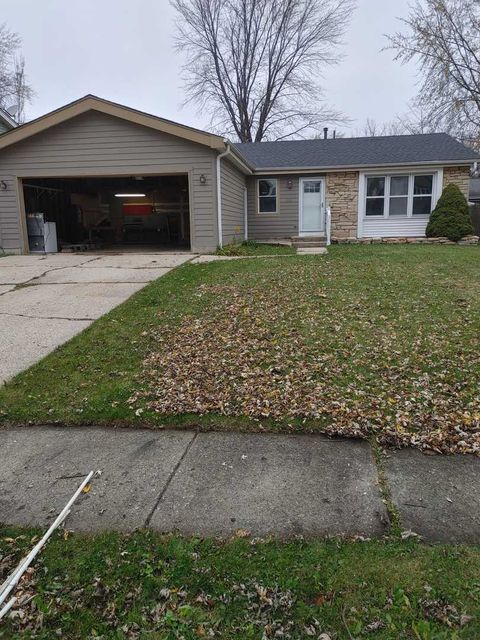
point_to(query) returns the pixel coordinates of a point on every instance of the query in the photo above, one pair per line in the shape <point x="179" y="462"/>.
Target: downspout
<point x="219" y="195"/>
<point x="245" y="213"/>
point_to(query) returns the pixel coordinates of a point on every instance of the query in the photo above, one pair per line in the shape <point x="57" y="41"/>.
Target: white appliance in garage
<point x="42" y="235"/>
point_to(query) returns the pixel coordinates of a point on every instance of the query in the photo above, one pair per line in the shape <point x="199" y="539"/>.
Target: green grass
<point x="379" y="340"/>
<point x="147" y="586"/>
<point x="251" y="248"/>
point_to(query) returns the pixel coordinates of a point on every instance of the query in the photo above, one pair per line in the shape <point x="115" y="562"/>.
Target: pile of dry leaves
<point x="297" y="346"/>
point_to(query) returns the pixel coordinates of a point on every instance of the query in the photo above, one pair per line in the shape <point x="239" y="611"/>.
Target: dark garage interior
<point x="84" y="214"/>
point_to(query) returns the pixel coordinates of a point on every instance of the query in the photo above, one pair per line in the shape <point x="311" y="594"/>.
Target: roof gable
<point x="356" y="152"/>
<point x="6" y="120"/>
<point x="92" y="103"/>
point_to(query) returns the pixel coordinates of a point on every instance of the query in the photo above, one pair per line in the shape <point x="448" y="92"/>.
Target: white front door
<point x="312" y="206"/>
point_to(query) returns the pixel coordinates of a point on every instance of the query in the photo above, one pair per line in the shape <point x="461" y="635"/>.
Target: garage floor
<point x="46" y="300"/>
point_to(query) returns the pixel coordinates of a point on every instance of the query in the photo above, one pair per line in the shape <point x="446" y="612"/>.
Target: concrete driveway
<point x="46" y="300"/>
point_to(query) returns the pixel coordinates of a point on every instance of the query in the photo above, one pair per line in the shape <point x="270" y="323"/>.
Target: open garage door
<point x="80" y="214"/>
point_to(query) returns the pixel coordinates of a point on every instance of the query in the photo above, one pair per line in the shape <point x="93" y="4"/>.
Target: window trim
<point x="405" y="195"/>
<point x="410" y="195"/>
<point x="430" y="169"/>
<point x="277" y="208"/>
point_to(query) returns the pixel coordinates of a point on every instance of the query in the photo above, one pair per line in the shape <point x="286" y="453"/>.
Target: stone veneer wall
<point x="342" y="198"/>
<point x="459" y="176"/>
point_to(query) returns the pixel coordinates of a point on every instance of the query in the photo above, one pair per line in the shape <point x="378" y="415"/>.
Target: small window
<point x="398" y="195"/>
<point x="422" y="195"/>
<point x="375" y="196"/>
<point x="312" y="186"/>
<point x="267" y="196"/>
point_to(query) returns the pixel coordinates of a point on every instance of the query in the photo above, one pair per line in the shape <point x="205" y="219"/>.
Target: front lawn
<point x="147" y="586"/>
<point x="368" y="340"/>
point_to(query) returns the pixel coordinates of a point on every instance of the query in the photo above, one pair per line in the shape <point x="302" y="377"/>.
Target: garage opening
<point x="81" y="214"/>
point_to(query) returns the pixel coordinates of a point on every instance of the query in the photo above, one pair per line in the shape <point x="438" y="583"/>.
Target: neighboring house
<point x="127" y="176"/>
<point x="6" y="121"/>
<point x="474" y="201"/>
<point x="474" y="196"/>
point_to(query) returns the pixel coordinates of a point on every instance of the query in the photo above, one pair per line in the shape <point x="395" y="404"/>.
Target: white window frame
<point x="388" y="181"/>
<point x="436" y="171"/>
<point x="267" y="213"/>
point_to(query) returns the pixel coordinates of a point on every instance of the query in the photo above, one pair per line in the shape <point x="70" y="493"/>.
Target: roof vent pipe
<point x="325" y="133"/>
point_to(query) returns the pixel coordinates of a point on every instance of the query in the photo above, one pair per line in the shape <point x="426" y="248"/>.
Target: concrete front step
<point x="311" y="251"/>
<point x="309" y="241"/>
<point x="309" y="245"/>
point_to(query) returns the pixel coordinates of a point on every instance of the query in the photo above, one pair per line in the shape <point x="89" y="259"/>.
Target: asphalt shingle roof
<point x="349" y="152"/>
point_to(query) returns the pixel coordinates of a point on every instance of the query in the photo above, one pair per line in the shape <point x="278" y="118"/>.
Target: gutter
<point x="360" y="167"/>
<point x="219" y="193"/>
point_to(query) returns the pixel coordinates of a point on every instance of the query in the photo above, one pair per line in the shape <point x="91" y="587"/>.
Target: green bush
<point x="451" y="216"/>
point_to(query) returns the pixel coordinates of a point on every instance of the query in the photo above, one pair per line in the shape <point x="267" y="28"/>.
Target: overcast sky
<point x="122" y="50"/>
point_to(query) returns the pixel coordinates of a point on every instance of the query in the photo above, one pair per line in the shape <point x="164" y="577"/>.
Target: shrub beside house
<point x="451" y="216"/>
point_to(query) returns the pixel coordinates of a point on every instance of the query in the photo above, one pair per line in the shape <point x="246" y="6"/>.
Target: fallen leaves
<point x="296" y="344"/>
<point x="143" y="584"/>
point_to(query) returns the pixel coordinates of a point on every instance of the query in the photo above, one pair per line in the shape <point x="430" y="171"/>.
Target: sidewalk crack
<point x="25" y="315"/>
<point x="169" y="479"/>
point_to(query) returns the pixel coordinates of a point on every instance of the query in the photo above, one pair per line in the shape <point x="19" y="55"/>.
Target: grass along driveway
<point x="380" y="340"/>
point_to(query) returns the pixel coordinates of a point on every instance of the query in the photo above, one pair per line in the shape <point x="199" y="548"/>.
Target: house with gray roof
<point x="108" y="175"/>
<point x="6" y="121"/>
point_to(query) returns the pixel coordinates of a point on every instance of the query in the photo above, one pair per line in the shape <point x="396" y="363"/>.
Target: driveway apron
<point x="46" y="300"/>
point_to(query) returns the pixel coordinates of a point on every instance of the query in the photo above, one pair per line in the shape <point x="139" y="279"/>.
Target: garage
<point x="96" y="175"/>
<point x="100" y="213"/>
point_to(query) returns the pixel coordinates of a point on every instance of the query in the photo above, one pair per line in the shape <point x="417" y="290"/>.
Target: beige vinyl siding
<point x="96" y="144"/>
<point x="395" y="228"/>
<point x="233" y="203"/>
<point x="10" y="227"/>
<point x="270" y="226"/>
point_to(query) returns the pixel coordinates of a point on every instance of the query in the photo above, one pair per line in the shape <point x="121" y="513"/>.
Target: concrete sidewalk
<point x="47" y="299"/>
<point x="218" y="483"/>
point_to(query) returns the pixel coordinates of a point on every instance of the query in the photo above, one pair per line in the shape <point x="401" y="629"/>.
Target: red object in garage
<point x="141" y="209"/>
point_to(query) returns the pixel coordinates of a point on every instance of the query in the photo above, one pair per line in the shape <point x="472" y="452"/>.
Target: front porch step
<point x="305" y="242"/>
<point x="312" y="251"/>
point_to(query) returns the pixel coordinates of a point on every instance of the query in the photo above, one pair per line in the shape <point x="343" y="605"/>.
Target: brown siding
<point x="342" y="197"/>
<point x="459" y="176"/>
<point x="98" y="144"/>
<point x="233" y="208"/>
<point x="284" y="224"/>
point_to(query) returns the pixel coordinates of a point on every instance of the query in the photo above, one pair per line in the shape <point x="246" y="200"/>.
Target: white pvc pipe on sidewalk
<point x="7" y="607"/>
<point x="11" y="582"/>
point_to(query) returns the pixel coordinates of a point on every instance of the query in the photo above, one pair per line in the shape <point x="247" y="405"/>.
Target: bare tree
<point x="413" y="122"/>
<point x="14" y="89"/>
<point x="444" y="38"/>
<point x="22" y="92"/>
<point x="372" y="128"/>
<point x="255" y="64"/>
